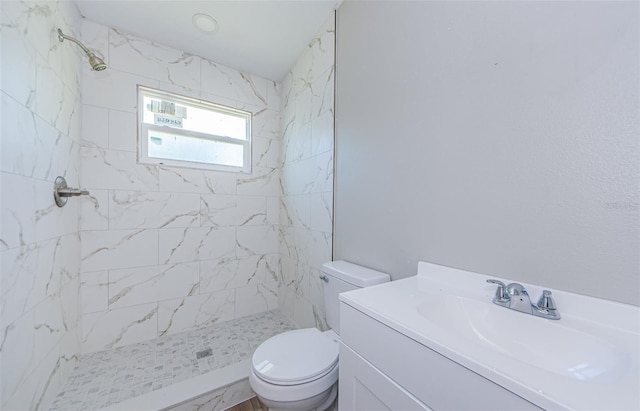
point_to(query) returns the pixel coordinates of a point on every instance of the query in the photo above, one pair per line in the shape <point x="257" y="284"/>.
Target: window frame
<point x="144" y="128"/>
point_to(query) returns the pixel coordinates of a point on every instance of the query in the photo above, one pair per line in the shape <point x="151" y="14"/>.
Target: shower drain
<point x="204" y="353"/>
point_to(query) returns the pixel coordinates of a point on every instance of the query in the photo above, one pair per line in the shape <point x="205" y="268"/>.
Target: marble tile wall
<point x="39" y="242"/>
<point x="163" y="249"/>
<point x="306" y="205"/>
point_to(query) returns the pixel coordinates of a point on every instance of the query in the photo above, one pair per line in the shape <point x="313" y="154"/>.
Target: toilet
<point x="298" y="370"/>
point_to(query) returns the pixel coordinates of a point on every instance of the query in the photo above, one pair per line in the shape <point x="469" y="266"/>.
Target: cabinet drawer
<point x="435" y="380"/>
<point x="365" y="388"/>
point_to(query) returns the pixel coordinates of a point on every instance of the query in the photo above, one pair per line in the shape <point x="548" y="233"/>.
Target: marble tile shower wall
<point x="307" y="179"/>
<point x="163" y="249"/>
<point x="39" y="243"/>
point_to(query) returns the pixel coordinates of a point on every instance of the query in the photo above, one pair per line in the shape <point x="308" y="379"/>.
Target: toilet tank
<point x="342" y="276"/>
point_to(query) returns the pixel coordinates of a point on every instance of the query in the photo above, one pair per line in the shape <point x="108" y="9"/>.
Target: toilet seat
<point x="297" y="392"/>
<point x="295" y="357"/>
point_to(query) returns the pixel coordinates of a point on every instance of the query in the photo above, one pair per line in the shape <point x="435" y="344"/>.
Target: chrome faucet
<point x="515" y="297"/>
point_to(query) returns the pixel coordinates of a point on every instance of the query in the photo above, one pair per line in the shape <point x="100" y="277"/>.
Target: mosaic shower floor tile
<point x="107" y="377"/>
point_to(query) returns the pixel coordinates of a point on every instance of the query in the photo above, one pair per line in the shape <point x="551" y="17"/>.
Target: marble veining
<point x="160" y="253"/>
<point x="195" y="311"/>
<point x="39" y="243"/>
<point x="196" y="181"/>
<point x="307" y="179"/>
<point x="132" y="54"/>
<point x="220" y="399"/>
<point x="132" y="286"/>
<point x="107" y="377"/>
<point x="225" y="81"/>
<point x="140" y="220"/>
<point x="137" y="209"/>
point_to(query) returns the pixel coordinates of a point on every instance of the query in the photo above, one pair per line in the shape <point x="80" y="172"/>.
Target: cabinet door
<point x="362" y="387"/>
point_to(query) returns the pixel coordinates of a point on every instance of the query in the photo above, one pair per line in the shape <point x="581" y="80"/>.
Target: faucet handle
<point x="546" y="301"/>
<point x="501" y="291"/>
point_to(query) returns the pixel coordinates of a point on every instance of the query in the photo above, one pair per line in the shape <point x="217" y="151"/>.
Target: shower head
<point x="97" y="64"/>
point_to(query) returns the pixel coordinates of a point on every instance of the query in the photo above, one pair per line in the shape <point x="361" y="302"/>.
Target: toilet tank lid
<point x="354" y="274"/>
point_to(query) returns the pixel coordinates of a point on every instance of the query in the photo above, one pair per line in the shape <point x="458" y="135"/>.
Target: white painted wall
<point x="39" y="242"/>
<point x="496" y="137"/>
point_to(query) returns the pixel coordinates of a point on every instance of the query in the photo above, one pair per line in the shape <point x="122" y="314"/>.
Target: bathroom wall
<point x="39" y="243"/>
<point x="306" y="211"/>
<point x="169" y="249"/>
<point x="497" y="137"/>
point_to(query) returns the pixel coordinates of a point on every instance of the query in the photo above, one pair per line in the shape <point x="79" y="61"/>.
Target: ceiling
<point x="263" y="37"/>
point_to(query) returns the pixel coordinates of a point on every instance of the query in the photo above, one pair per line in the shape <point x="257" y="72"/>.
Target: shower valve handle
<point x="72" y="192"/>
<point x="61" y="192"/>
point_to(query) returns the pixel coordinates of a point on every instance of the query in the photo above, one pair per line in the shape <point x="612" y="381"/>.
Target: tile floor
<point x="107" y="377"/>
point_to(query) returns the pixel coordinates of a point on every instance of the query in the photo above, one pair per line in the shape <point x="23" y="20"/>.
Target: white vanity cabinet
<point x="437" y="341"/>
<point x="382" y="369"/>
<point x="364" y="388"/>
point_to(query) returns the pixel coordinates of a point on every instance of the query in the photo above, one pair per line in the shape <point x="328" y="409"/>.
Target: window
<point x="186" y="132"/>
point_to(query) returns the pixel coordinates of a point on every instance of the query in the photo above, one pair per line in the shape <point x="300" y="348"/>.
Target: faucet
<point x="515" y="297"/>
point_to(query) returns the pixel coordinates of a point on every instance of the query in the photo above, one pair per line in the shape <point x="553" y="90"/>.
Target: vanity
<point x="437" y="341"/>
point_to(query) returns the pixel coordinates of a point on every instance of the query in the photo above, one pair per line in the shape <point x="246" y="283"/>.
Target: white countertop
<point x="586" y="320"/>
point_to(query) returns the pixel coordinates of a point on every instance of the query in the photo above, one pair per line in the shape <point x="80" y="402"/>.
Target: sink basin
<point x="542" y="343"/>
<point x="588" y="359"/>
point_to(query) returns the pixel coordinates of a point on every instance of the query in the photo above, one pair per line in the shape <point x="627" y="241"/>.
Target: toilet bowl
<point x="298" y="370"/>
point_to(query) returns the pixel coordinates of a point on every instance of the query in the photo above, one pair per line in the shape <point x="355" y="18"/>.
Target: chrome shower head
<point x="97" y="64"/>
